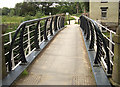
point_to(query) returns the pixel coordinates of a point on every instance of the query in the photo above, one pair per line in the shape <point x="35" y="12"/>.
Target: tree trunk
<point x="77" y="6"/>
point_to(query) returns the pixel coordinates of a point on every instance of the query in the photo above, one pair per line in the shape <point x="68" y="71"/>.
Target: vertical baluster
<point x="13" y="61"/>
<point x="110" y="46"/>
<point x="39" y="33"/>
<point x="12" y="57"/>
<point x="29" y="47"/>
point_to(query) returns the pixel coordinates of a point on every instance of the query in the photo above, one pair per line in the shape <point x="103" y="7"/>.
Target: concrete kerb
<point x="98" y="72"/>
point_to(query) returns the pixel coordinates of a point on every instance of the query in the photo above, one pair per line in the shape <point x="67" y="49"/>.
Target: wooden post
<point x="0" y="55"/>
<point x="4" y="71"/>
<point x="116" y="66"/>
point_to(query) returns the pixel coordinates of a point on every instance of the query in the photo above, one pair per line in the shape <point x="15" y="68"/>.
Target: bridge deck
<point x="63" y="62"/>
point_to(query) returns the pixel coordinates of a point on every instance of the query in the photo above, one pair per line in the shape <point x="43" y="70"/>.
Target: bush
<point x="78" y="15"/>
<point x="69" y="18"/>
<point x="28" y="18"/>
<point x="66" y="23"/>
<point x="13" y="19"/>
<point x="39" y="14"/>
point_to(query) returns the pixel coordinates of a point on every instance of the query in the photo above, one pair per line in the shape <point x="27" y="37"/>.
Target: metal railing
<point x="28" y="37"/>
<point x="100" y="43"/>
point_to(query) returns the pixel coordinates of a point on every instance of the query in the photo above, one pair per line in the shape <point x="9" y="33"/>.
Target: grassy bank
<point x="67" y="18"/>
<point x="78" y="15"/>
<point x="12" y="22"/>
<point x="17" y="19"/>
<point x="13" y="19"/>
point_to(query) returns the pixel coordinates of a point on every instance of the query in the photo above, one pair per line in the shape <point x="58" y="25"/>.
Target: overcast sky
<point x="9" y="3"/>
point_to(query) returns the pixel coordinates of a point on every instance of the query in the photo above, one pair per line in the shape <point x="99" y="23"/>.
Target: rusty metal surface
<point x="64" y="62"/>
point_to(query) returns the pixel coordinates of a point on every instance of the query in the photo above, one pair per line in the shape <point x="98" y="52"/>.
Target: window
<point x="104" y="12"/>
<point x="104" y="1"/>
<point x="119" y="9"/>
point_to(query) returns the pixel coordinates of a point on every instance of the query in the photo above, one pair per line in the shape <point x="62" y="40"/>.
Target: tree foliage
<point x="5" y="11"/>
<point x="41" y="8"/>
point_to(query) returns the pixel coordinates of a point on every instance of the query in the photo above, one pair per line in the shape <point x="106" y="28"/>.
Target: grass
<point x="78" y="15"/>
<point x="76" y="22"/>
<point x="13" y="19"/>
<point x="106" y="34"/>
<point x="69" y="18"/>
<point x="24" y="73"/>
<point x="12" y="22"/>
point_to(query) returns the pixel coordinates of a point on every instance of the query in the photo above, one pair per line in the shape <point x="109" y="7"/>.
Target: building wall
<point x="112" y="12"/>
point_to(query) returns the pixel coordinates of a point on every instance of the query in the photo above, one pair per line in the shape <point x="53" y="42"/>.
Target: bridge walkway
<point x="64" y="62"/>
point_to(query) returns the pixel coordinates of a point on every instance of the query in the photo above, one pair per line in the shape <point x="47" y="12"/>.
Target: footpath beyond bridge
<point x="64" y="62"/>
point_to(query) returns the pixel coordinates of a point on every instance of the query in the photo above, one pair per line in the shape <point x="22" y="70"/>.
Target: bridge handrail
<point x="104" y="54"/>
<point x="28" y="36"/>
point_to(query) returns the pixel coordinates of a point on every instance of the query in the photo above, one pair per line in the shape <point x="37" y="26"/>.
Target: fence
<point x="99" y="42"/>
<point x="27" y="38"/>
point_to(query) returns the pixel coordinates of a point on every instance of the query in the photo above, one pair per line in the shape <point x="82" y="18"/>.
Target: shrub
<point x="39" y="14"/>
<point x="28" y="18"/>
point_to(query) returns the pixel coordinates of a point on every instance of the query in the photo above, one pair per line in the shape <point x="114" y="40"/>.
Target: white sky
<point x="9" y="3"/>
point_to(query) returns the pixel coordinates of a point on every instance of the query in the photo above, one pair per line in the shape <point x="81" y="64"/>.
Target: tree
<point x="46" y="7"/>
<point x="24" y="9"/>
<point x="86" y="5"/>
<point x="12" y="12"/>
<point x="5" y="11"/>
<point x="18" y="7"/>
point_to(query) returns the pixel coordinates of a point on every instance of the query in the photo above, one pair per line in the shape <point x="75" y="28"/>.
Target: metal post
<point x="78" y="21"/>
<point x="55" y="23"/>
<point x="63" y="21"/>
<point x="23" y="59"/>
<point x="59" y="22"/>
<point x="92" y="41"/>
<point x="88" y="30"/>
<point x="85" y="26"/>
<point x="36" y="37"/>
<point x="69" y="21"/>
<point x="45" y="30"/>
<point x="51" y="32"/>
<point x="116" y="66"/>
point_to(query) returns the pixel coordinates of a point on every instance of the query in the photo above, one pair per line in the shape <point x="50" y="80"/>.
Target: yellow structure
<point x="105" y="11"/>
